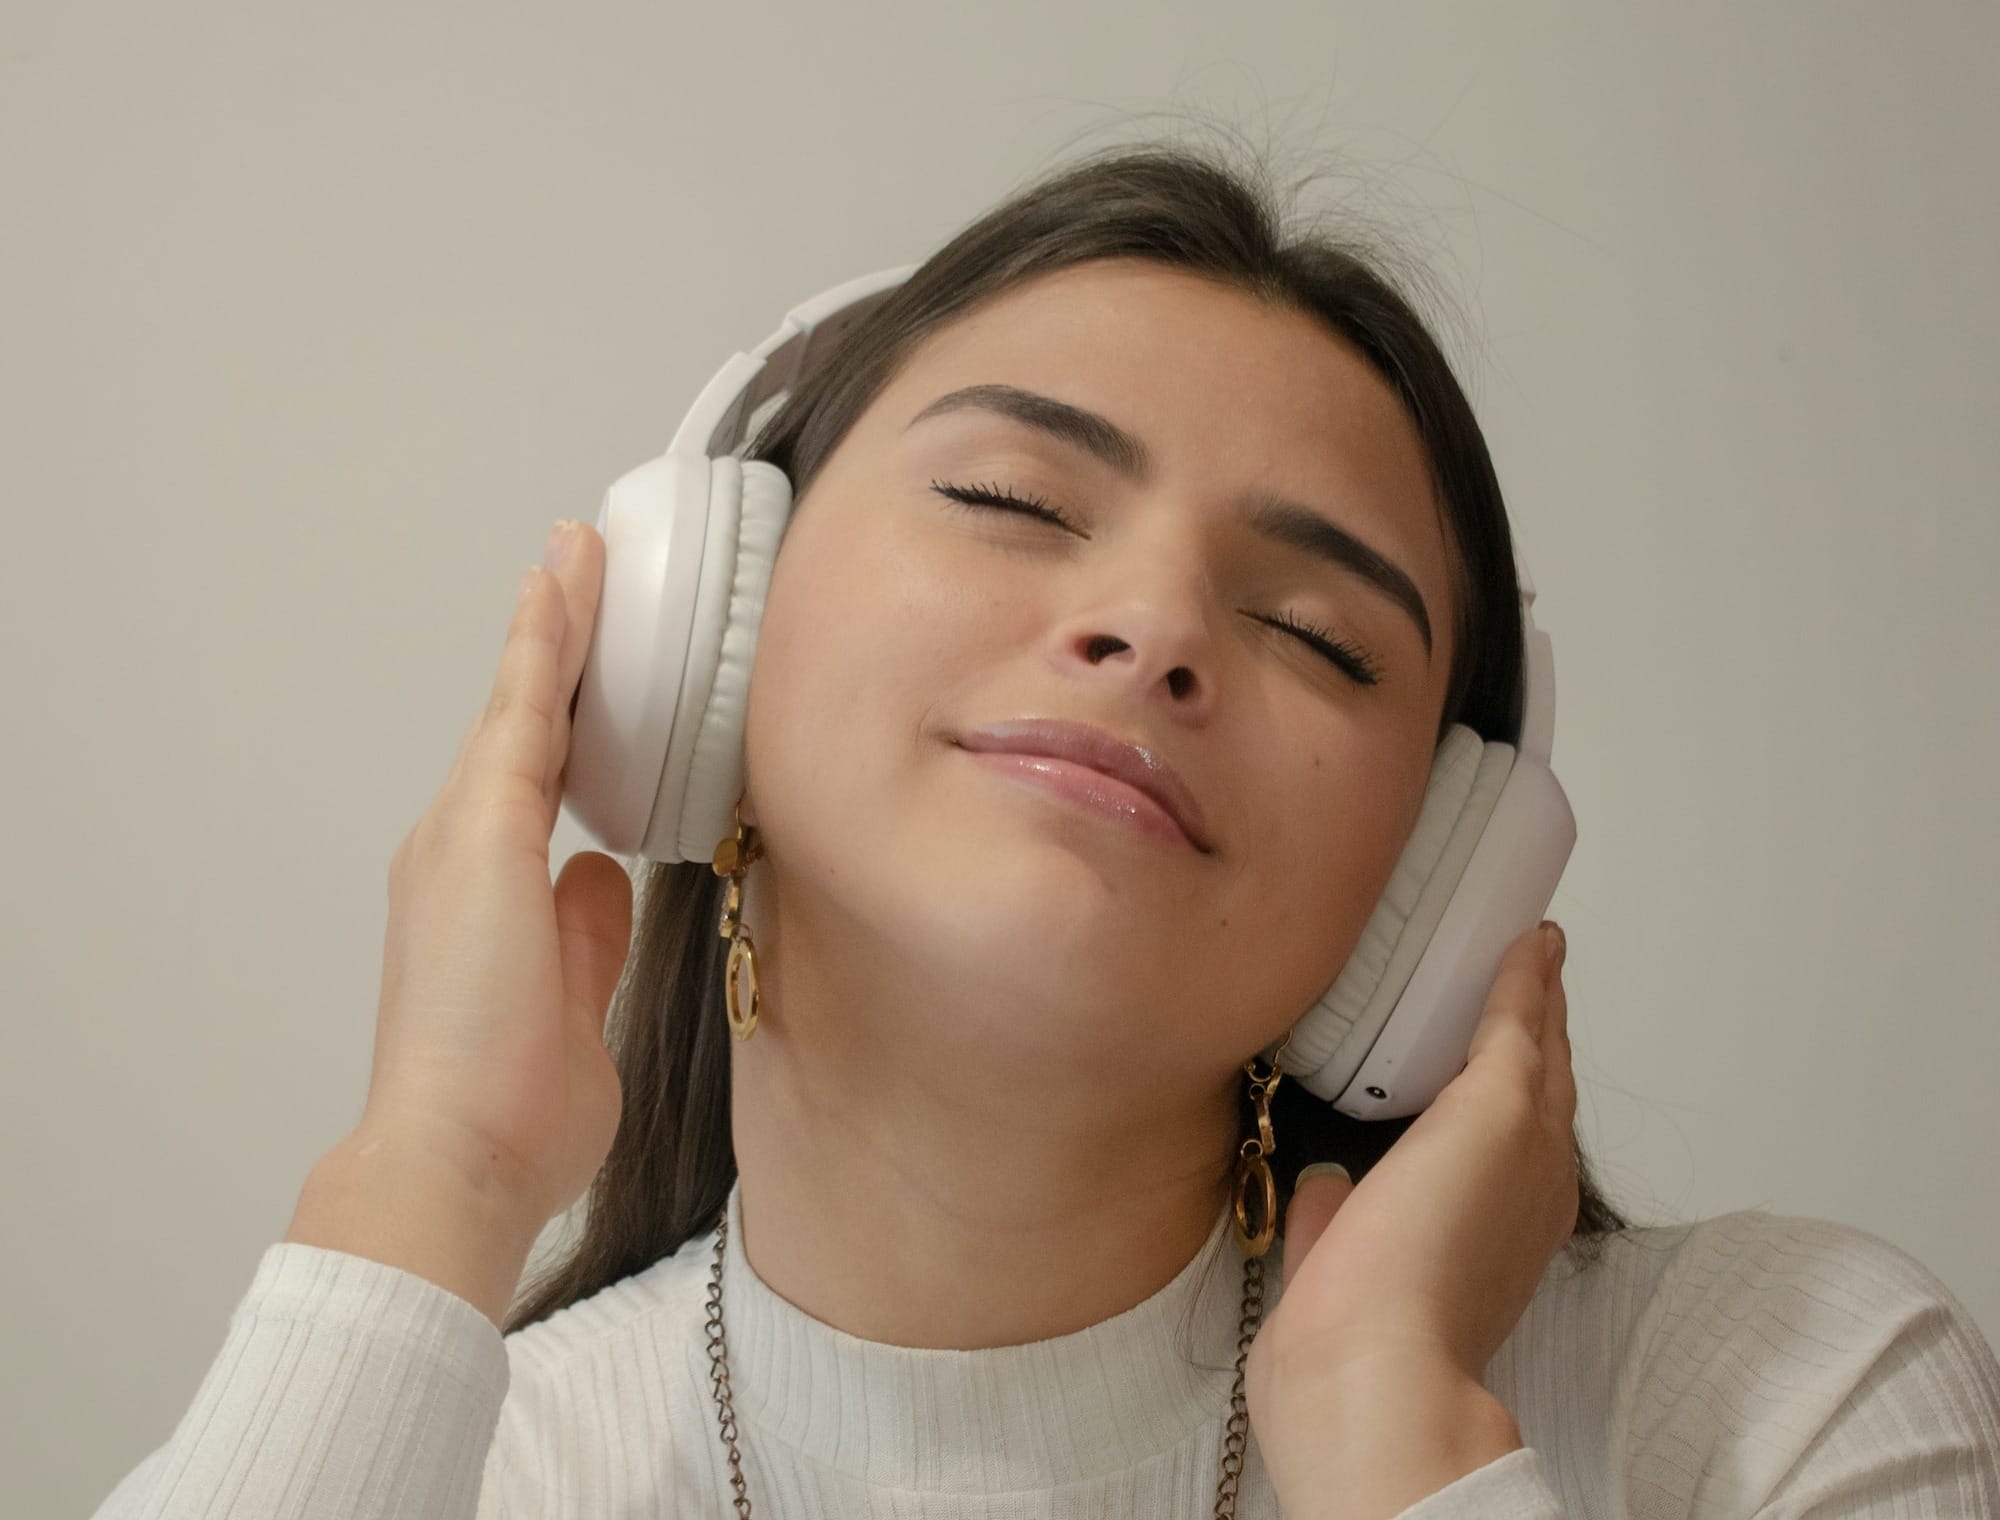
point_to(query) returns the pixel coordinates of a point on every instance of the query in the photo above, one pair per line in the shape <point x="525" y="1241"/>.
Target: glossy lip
<point x="1142" y="769"/>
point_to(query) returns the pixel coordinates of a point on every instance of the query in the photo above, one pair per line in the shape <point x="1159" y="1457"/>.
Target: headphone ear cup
<point x="1330" y="1042"/>
<point x="655" y="523"/>
<point x="750" y="503"/>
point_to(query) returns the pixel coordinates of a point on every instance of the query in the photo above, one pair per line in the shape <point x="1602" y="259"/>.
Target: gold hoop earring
<point x="1253" y="1169"/>
<point x="732" y="858"/>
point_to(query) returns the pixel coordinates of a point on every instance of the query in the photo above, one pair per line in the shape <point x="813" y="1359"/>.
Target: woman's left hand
<point x="1398" y="1291"/>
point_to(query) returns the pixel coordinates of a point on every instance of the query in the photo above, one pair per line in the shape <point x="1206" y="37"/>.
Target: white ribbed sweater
<point x="1749" y="1364"/>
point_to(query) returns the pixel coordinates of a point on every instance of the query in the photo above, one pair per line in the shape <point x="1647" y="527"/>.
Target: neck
<point x="903" y="1183"/>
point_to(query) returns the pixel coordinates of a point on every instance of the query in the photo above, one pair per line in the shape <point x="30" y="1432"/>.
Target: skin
<point x="934" y="1115"/>
<point x="928" y="1115"/>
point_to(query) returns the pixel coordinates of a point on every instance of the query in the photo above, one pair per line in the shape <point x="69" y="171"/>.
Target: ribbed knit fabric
<point x="1752" y="1364"/>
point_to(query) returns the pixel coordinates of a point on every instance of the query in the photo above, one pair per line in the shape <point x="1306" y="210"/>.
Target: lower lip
<point x="1094" y="790"/>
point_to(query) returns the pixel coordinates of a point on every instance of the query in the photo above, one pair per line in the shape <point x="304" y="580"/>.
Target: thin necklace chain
<point x="1232" y="1441"/>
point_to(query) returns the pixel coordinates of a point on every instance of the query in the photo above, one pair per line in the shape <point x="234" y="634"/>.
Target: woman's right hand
<point x="489" y="1040"/>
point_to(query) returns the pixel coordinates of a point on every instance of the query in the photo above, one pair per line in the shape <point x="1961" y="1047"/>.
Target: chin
<point x="1021" y="896"/>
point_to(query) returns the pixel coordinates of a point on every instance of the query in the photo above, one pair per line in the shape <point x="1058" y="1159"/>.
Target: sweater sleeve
<point x="1507" y="1488"/>
<point x="344" y="1387"/>
<point x="1904" y="1418"/>
<point x="1790" y="1369"/>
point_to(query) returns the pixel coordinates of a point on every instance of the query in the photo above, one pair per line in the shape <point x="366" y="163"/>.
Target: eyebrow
<point x="1277" y="518"/>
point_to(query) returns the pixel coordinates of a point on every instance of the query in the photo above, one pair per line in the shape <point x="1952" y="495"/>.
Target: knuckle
<point x="519" y="703"/>
<point x="1533" y="1061"/>
<point x="466" y="830"/>
<point x="508" y="809"/>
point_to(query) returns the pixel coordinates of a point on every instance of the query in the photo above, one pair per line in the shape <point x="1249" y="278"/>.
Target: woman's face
<point x="898" y="621"/>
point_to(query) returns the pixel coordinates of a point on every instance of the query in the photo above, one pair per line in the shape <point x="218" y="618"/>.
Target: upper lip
<point x="1121" y="759"/>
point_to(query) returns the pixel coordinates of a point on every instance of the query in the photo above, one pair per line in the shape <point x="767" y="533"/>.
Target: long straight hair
<point x="671" y="1166"/>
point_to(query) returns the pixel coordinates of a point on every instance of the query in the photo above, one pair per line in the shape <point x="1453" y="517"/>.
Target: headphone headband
<point x="719" y="419"/>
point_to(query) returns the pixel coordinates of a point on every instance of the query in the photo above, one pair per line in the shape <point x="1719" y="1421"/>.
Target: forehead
<point x="1225" y="390"/>
<point x="1123" y="317"/>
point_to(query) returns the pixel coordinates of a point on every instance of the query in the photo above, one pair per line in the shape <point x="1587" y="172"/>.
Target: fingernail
<point x="561" y="536"/>
<point x="1554" y="946"/>
<point x="1321" y="1169"/>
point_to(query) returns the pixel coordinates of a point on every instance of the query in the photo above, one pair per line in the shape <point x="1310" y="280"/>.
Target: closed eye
<point x="1004" y="498"/>
<point x="1348" y="657"/>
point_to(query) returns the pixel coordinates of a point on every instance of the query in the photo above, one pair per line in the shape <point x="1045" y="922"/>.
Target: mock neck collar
<point x="1031" y="1416"/>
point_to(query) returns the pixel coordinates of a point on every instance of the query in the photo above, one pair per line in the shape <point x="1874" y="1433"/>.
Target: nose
<point x="1099" y="647"/>
<point x="1148" y="631"/>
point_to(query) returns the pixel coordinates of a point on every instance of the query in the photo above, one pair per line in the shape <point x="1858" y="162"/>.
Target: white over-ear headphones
<point x="656" y="760"/>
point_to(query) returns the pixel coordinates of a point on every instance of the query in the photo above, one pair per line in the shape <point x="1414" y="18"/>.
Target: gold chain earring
<point x="1252" y="1167"/>
<point x="732" y="859"/>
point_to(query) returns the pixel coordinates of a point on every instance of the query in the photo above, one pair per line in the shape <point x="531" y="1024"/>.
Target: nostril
<point x="1095" y="650"/>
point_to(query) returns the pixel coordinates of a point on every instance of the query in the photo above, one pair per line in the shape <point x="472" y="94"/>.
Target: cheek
<point x="1333" y="846"/>
<point x="855" y="648"/>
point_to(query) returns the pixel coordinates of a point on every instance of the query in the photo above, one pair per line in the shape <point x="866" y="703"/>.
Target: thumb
<point x="1317" y="1194"/>
<point x="593" y="896"/>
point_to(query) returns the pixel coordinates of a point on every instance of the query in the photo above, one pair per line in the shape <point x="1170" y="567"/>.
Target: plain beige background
<point x="314" y="321"/>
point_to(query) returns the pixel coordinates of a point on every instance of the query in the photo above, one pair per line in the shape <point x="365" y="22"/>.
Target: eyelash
<point x="1336" y="650"/>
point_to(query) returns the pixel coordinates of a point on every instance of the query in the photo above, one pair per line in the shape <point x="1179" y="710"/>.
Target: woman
<point x="949" y="1233"/>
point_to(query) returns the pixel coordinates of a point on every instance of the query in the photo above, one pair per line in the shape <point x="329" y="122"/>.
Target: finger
<point x="1316" y="1197"/>
<point x="593" y="898"/>
<point x="1517" y="1007"/>
<point x="1560" y="1063"/>
<point x="581" y="575"/>
<point x="469" y="742"/>
<point x="509" y="744"/>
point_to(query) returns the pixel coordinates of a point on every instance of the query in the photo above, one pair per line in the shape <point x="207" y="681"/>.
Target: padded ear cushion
<point x="735" y="574"/>
<point x="1330" y="1042"/>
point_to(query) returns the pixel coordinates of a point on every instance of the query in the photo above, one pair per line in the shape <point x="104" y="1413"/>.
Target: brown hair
<point x="672" y="1163"/>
